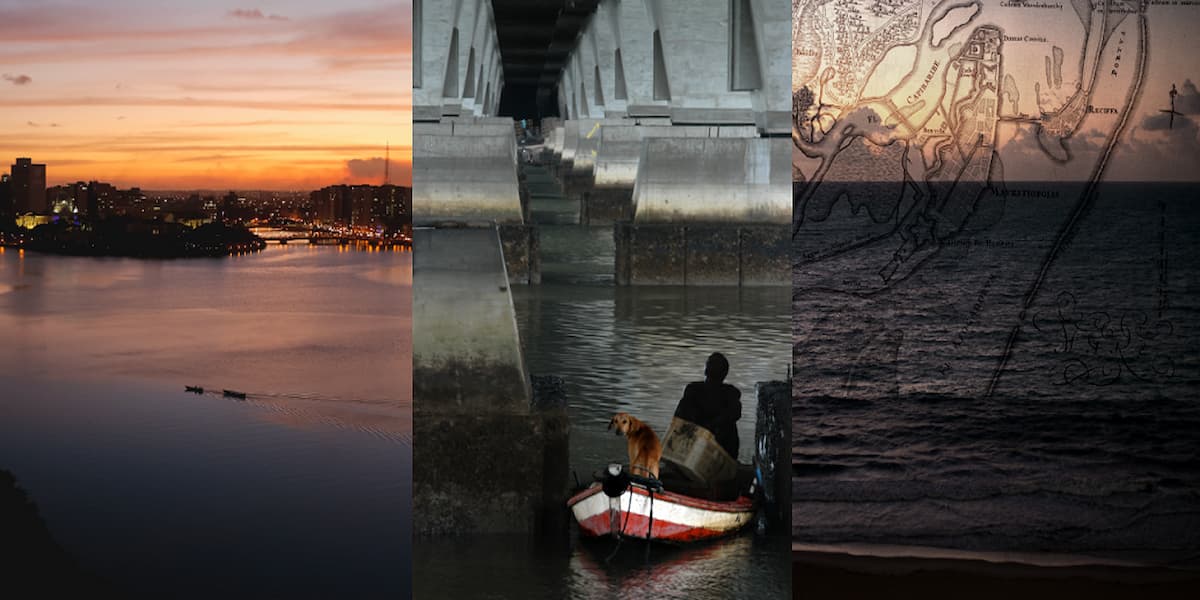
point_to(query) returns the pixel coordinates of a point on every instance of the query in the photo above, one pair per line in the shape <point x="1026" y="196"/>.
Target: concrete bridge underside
<point x="667" y="121"/>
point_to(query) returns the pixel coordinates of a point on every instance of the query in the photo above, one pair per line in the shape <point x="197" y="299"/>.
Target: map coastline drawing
<point x="994" y="310"/>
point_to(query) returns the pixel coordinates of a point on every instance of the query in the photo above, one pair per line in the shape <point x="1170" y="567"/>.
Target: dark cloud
<point x="365" y="167"/>
<point x="1186" y="103"/>
<point x="1188" y="100"/>
<point x="1161" y="121"/>
<point x="372" y="169"/>
<point x="1163" y="154"/>
<point x="18" y="79"/>
<point x="254" y="14"/>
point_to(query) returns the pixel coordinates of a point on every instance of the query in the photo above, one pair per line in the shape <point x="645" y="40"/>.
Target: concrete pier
<point x="667" y="121"/>
<point x="701" y="254"/>
<point x="672" y="127"/>
<point x="485" y="458"/>
<point x="464" y="156"/>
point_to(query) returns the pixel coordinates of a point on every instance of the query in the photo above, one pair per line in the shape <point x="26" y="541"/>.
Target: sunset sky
<point x="286" y="95"/>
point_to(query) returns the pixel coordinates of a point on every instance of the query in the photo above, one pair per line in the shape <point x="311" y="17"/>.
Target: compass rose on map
<point x="1171" y="111"/>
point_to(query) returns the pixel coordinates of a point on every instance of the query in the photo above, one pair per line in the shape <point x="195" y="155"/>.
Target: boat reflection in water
<point x="698" y="570"/>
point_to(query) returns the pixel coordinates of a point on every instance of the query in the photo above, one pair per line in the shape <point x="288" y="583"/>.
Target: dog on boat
<point x="644" y="448"/>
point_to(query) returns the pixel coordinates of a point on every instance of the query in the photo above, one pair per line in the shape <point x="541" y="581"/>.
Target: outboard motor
<point x="615" y="481"/>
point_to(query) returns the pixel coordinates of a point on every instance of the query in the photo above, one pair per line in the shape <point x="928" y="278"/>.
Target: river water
<point x="630" y="349"/>
<point x="303" y="489"/>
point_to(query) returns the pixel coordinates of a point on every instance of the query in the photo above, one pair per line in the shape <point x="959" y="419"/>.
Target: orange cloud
<point x="214" y="98"/>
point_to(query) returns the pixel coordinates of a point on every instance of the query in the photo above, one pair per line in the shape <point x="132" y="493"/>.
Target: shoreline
<point x="866" y="571"/>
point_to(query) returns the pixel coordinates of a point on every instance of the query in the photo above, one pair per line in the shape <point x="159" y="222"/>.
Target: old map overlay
<point x="947" y="155"/>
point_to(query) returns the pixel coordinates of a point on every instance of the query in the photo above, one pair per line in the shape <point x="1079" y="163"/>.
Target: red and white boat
<point x="634" y="508"/>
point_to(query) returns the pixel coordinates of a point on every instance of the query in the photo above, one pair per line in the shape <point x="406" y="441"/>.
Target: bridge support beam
<point x="674" y="124"/>
<point x="472" y="395"/>
<point x="465" y="174"/>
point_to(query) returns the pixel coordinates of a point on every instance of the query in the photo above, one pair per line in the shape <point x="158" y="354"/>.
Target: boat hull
<point x="676" y="518"/>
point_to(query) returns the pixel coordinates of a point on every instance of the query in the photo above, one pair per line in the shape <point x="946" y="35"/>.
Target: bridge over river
<point x="327" y="237"/>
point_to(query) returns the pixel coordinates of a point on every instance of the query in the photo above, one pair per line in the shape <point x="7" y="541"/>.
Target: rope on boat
<point x="621" y="532"/>
<point x="649" y="525"/>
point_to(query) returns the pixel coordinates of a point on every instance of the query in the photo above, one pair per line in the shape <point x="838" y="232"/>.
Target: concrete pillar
<point x="772" y="103"/>
<point x="467" y="352"/>
<point x="711" y="211"/>
<point x="714" y="180"/>
<point x="635" y="25"/>
<point x="603" y="33"/>
<point x="458" y="55"/>
<point x="472" y="396"/>
<point x="465" y="173"/>
<point x="610" y="198"/>
<point x="714" y="62"/>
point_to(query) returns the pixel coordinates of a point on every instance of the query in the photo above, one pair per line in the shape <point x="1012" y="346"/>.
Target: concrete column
<point x="610" y="199"/>
<point x="603" y="34"/>
<point x="467" y="351"/>
<point x="635" y="29"/>
<point x="714" y="180"/>
<point x="772" y="103"/>
<point x="695" y="42"/>
<point x="451" y="83"/>
<point x="472" y="396"/>
<point x="719" y="62"/>
<point x="621" y="147"/>
<point x="712" y="211"/>
<point x="465" y="173"/>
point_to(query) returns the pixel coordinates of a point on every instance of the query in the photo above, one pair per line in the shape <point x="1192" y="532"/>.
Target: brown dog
<point x="644" y="448"/>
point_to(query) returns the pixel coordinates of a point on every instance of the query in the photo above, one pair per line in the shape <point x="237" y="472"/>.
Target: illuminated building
<point x="28" y="183"/>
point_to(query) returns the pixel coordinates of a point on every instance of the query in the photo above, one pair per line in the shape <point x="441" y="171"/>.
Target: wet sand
<point x="832" y="574"/>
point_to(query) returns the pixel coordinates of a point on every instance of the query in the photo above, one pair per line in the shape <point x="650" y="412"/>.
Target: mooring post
<point x="772" y="454"/>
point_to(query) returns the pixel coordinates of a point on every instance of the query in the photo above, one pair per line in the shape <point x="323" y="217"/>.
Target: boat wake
<point x="387" y="422"/>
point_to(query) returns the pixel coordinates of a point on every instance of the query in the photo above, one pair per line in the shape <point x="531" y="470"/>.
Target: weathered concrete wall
<point x="522" y="253"/>
<point x="708" y="72"/>
<point x="457" y="68"/>
<point x="609" y="197"/>
<point x="702" y="254"/>
<point x="487" y="473"/>
<point x="467" y="352"/>
<point x="714" y="180"/>
<point x="484" y="459"/>
<point x="462" y="177"/>
<point x="772" y="103"/>
<point x="620" y="149"/>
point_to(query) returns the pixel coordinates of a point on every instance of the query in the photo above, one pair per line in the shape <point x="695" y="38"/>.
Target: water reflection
<point x="301" y="490"/>
<point x="746" y="566"/>
<point x="630" y="349"/>
<point x="634" y="349"/>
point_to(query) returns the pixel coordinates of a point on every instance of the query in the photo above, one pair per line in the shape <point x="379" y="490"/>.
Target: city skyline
<point x="275" y="96"/>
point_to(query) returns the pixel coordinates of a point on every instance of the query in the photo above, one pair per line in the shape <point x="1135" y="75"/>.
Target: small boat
<point x="623" y="505"/>
<point x="233" y="394"/>
<point x="195" y="389"/>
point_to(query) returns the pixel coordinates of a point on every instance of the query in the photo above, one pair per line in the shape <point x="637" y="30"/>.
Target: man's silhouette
<point x="714" y="404"/>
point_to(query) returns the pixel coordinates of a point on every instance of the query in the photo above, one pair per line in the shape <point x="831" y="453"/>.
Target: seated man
<point x="714" y="404"/>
